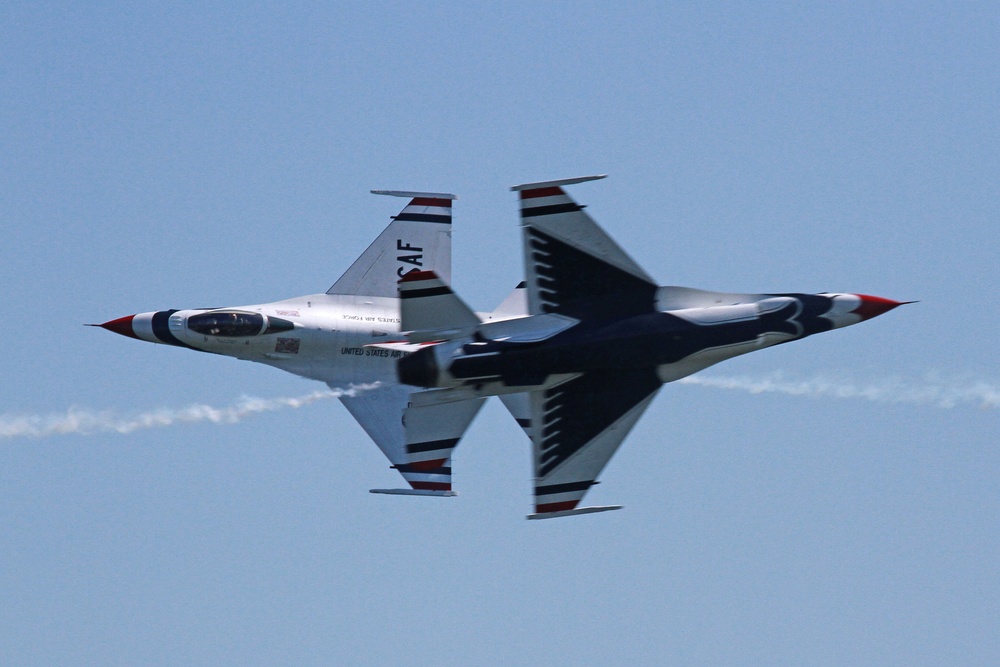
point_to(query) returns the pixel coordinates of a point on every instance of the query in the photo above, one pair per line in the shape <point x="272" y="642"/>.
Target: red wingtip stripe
<point x="556" y="507"/>
<point x="428" y="201"/>
<point x="431" y="486"/>
<point x="542" y="192"/>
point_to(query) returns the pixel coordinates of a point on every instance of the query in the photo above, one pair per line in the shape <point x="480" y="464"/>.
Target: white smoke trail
<point x="932" y="390"/>
<point x="81" y="421"/>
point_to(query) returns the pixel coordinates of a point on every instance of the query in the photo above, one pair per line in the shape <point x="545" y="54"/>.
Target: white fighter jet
<point x="600" y="339"/>
<point x="325" y="337"/>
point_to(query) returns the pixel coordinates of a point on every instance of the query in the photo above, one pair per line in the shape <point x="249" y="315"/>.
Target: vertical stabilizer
<point x="418" y="239"/>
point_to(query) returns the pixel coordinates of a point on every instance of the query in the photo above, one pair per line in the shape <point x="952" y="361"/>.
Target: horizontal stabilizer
<point x="515" y="305"/>
<point x="414" y="492"/>
<point x="397" y="346"/>
<point x="426" y="302"/>
<point x="579" y="510"/>
<point x="527" y="329"/>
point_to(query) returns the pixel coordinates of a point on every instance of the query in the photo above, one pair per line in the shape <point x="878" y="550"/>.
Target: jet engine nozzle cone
<point x="873" y="306"/>
<point x="418" y="369"/>
<point x="122" y="326"/>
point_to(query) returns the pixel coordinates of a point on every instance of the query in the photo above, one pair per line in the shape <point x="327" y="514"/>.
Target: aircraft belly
<point x="701" y="360"/>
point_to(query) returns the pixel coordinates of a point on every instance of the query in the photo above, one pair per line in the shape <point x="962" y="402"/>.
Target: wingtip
<point x="574" y="512"/>
<point x="557" y="183"/>
<point x="414" y="492"/>
<point x="413" y="195"/>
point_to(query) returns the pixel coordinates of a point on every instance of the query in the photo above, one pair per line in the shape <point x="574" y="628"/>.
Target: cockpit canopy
<point x="236" y="324"/>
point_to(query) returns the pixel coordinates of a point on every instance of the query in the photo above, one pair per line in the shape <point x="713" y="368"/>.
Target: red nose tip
<point x="873" y="306"/>
<point x="123" y="326"/>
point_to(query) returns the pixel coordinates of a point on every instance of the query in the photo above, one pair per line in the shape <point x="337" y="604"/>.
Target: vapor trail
<point x="932" y="390"/>
<point x="81" y="421"/>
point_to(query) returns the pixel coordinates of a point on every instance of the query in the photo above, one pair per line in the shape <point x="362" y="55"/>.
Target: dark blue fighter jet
<point x="594" y="340"/>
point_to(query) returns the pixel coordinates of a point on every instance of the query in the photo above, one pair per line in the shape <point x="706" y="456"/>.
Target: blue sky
<point x="173" y="156"/>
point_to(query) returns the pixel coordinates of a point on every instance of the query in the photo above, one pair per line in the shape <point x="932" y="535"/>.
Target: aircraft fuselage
<point x="675" y="343"/>
<point x="319" y="336"/>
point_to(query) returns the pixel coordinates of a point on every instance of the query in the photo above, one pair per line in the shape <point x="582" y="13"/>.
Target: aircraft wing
<point x="573" y="267"/>
<point x="419" y="238"/>
<point x="575" y="428"/>
<point x="418" y="441"/>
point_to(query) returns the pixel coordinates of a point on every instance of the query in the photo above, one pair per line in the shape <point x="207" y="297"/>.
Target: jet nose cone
<point x="123" y="326"/>
<point x="873" y="306"/>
